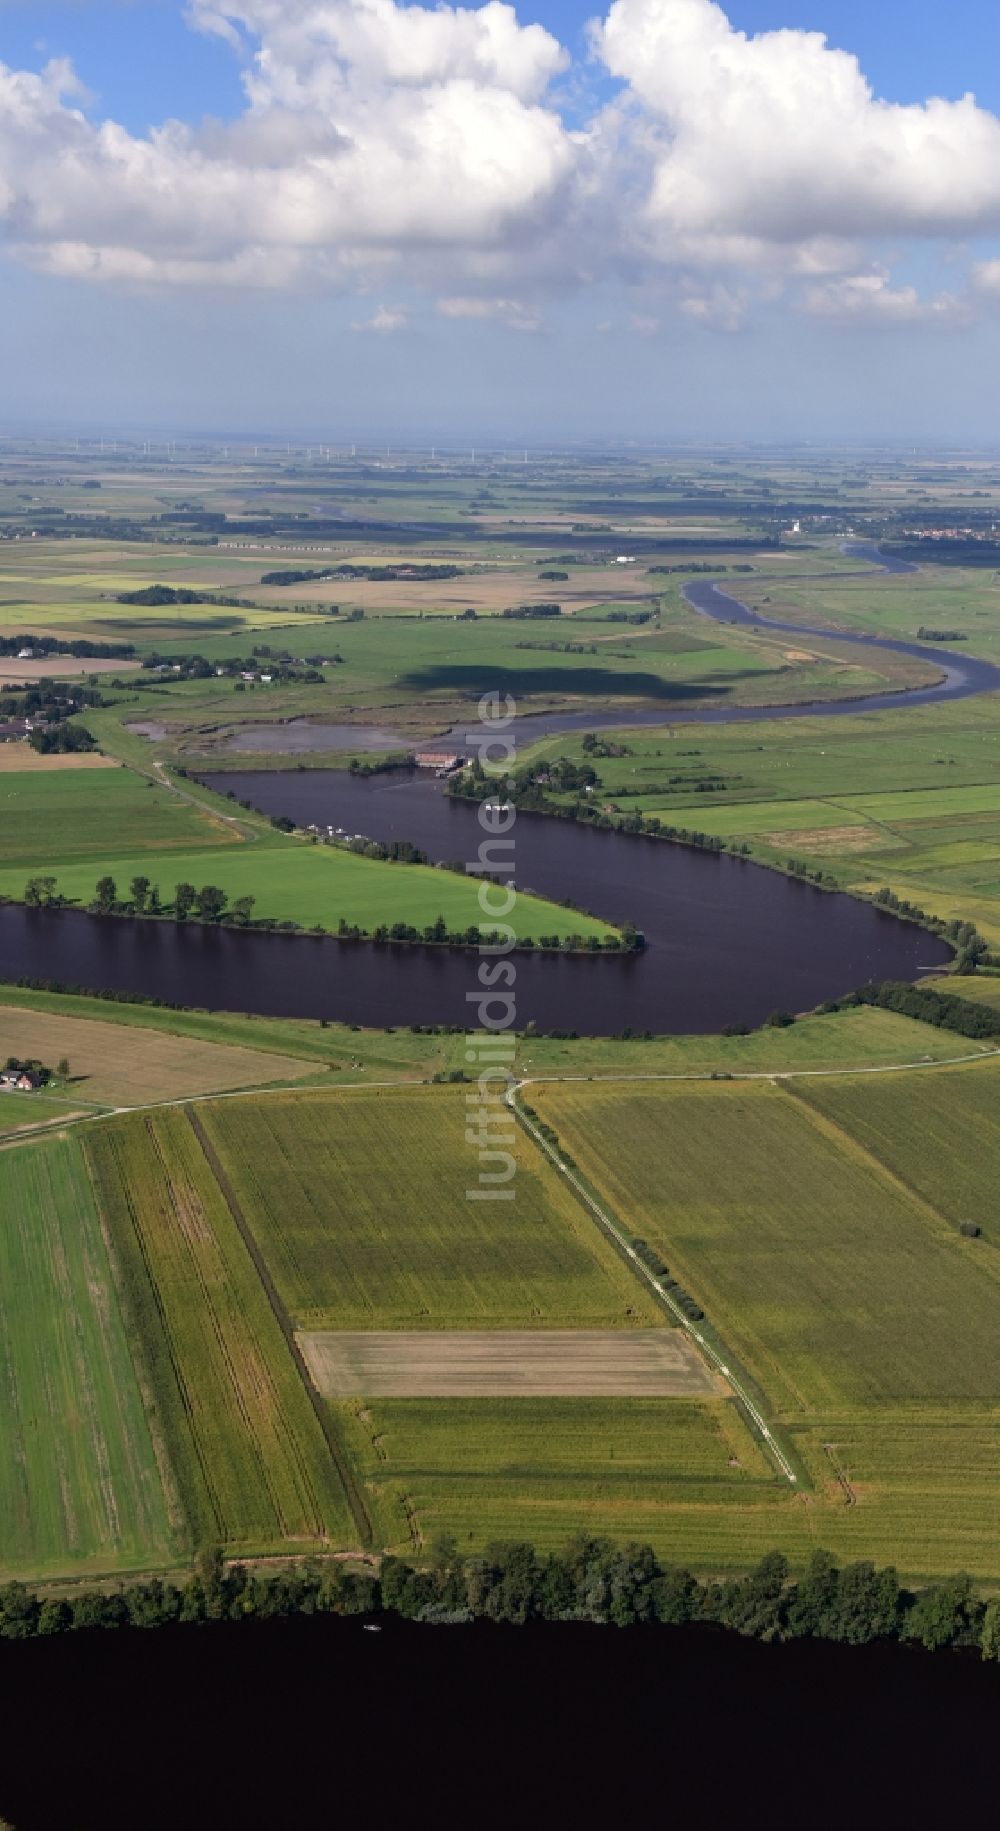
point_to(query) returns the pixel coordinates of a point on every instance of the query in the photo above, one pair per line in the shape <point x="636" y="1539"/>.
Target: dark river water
<point x="314" y="1722"/>
<point x="728" y="942"/>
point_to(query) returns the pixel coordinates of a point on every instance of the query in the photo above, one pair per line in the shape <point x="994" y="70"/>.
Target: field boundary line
<point x="715" y="1359"/>
<point x="352" y="1493"/>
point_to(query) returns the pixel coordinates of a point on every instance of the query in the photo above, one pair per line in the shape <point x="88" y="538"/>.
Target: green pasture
<point x="291" y="880"/>
<point x="77" y="815"/>
<point x="79" y="1485"/>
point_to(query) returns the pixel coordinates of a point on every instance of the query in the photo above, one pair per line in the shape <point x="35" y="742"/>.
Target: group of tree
<point x="532" y="610"/>
<point x="945" y="1010"/>
<point x="157" y="596"/>
<point x="208" y="904"/>
<point x="591" y="1580"/>
<point x="971" y="948"/>
<point x="62" y="739"/>
<point x="80" y="646"/>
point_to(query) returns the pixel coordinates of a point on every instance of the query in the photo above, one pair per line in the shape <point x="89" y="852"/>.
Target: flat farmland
<point x="114" y="1065"/>
<point x="289" y="881"/>
<point x="831" y="1283"/>
<point x="79" y="1484"/>
<point x="61" y="817"/>
<point x="21" y="1113"/>
<point x="687" y="1477"/>
<point x="19" y="759"/>
<point x="358" y="1204"/>
<point x="916" y="1488"/>
<point x="940" y="1134"/>
<point x="250" y="1458"/>
<point x="606" y="1363"/>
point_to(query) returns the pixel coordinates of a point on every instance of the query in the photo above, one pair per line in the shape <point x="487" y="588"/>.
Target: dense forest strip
<point x="352" y="1492"/>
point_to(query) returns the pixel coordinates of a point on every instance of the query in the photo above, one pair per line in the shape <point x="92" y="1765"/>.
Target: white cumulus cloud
<point x="388" y="149"/>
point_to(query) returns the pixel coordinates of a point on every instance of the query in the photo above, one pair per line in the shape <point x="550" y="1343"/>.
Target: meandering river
<point x="728" y="941"/>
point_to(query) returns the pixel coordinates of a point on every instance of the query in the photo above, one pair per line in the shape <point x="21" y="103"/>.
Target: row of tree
<point x="591" y="1580"/>
<point x="943" y="1009"/>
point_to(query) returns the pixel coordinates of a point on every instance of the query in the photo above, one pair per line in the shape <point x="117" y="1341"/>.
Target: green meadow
<point x="80" y="1485"/>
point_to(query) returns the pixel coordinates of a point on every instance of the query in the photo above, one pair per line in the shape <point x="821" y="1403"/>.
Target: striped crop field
<point x="940" y="1134"/>
<point x="80" y="1489"/>
<point x="687" y="1477"/>
<point x="358" y="1204"/>
<point x="251" y="1460"/>
<point x="820" y="1230"/>
<point x="831" y="1283"/>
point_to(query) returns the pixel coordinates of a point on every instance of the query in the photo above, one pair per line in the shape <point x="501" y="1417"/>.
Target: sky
<point x="352" y="219"/>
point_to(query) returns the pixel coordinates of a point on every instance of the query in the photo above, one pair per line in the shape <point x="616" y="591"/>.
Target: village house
<point x="20" y="1080"/>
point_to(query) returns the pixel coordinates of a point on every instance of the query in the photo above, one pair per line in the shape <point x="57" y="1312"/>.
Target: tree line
<point x="945" y="1010"/>
<point x="592" y="1579"/>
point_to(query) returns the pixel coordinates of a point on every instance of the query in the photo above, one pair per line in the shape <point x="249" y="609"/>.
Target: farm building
<point x="443" y="761"/>
<point x="20" y="1080"/>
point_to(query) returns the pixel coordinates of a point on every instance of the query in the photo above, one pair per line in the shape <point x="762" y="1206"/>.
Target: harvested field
<point x="525" y="1363"/>
<point x="20" y="759"/>
<point x="114" y="1066"/>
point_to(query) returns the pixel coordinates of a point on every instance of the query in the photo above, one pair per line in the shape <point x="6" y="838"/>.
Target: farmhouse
<point x="20" y="1080"/>
<point x="440" y="760"/>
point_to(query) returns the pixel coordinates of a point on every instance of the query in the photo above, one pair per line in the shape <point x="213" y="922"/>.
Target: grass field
<point x="20" y="1113"/>
<point x="113" y="1066"/>
<point x="56" y="818"/>
<point x="859" y="1037"/>
<point x="288" y="879"/>
<point x="250" y="1459"/>
<point x="940" y="1134"/>
<point x="359" y="1206"/>
<point x="79" y="1485"/>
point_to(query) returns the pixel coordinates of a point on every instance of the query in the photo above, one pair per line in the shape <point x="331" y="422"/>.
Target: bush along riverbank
<point x="211" y="905"/>
<point x="591" y="1580"/>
